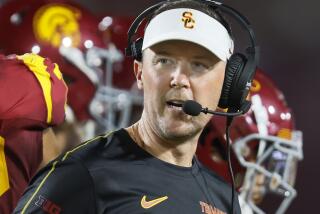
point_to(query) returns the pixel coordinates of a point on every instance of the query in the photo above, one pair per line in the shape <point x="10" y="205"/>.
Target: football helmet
<point x="265" y="147"/>
<point x="101" y="83"/>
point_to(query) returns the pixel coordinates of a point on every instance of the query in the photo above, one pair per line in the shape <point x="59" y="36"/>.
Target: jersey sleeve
<point x="61" y="187"/>
<point x="32" y="88"/>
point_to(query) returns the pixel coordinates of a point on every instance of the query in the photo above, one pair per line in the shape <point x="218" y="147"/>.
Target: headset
<point x="240" y="67"/>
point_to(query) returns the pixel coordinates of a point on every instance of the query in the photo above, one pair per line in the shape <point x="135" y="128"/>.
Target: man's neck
<point x="177" y="153"/>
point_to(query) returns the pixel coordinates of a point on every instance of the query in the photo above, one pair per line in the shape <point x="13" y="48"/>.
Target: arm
<point x="63" y="186"/>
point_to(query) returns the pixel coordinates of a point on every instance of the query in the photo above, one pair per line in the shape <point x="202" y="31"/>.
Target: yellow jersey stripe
<point x="57" y="71"/>
<point x="4" y="177"/>
<point x="36" y="64"/>
<point x="84" y="144"/>
<point x="39" y="187"/>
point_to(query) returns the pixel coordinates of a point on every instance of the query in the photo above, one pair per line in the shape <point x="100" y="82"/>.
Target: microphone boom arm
<point x="233" y="114"/>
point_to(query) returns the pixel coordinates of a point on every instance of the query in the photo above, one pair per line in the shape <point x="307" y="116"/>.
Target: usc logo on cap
<point x="188" y="20"/>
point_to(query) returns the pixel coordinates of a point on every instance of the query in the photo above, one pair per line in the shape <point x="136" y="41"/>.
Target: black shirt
<point x="112" y="174"/>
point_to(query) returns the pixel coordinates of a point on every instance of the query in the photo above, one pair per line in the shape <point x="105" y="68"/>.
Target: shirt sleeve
<point x="63" y="186"/>
<point x="32" y="87"/>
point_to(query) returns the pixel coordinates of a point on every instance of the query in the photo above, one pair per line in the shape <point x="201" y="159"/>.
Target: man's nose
<point x="180" y="76"/>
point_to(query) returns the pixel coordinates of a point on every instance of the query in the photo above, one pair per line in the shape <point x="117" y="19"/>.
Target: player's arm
<point x="63" y="186"/>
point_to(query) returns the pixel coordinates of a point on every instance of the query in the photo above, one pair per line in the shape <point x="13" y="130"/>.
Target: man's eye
<point x="200" y="66"/>
<point x="163" y="61"/>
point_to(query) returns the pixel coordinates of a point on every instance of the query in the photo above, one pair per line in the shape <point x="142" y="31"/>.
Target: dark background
<point x="288" y="34"/>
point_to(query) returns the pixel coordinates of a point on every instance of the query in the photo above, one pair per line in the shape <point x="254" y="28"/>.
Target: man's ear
<point x="137" y="67"/>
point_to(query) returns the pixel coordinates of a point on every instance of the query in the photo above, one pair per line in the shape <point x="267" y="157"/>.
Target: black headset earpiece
<point x="240" y="67"/>
<point x="234" y="69"/>
<point x="238" y="77"/>
<point x="136" y="48"/>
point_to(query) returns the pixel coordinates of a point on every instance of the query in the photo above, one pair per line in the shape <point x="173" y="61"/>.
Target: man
<point x="33" y="96"/>
<point x="149" y="167"/>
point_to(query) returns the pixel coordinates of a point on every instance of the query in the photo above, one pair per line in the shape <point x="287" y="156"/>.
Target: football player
<point x="33" y="97"/>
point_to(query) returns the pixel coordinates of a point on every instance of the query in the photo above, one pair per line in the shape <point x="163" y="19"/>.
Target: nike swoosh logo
<point x="148" y="204"/>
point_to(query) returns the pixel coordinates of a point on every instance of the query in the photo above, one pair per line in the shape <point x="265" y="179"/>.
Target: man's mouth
<point x="175" y="104"/>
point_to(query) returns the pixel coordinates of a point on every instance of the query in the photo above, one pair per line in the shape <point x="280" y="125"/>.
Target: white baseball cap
<point x="189" y="25"/>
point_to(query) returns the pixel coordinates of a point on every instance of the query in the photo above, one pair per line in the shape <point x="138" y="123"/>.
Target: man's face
<point x="175" y="71"/>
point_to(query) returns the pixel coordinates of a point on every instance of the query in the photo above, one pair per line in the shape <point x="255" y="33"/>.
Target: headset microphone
<point x="193" y="108"/>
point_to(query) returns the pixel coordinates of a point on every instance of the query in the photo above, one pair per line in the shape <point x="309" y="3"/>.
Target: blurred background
<point x="287" y="33"/>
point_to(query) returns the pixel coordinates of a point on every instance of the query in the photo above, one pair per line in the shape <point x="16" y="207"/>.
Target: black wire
<point x="229" y="121"/>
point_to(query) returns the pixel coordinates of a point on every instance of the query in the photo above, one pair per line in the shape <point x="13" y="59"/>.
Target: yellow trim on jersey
<point x="54" y="166"/>
<point x="37" y="190"/>
<point x="84" y="144"/>
<point x="57" y="71"/>
<point x="4" y="178"/>
<point x="36" y="64"/>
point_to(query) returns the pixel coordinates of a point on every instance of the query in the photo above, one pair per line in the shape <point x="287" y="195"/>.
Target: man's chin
<point x="180" y="133"/>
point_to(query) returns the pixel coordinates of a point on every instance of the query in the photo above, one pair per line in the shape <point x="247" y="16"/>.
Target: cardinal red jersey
<point x="32" y="98"/>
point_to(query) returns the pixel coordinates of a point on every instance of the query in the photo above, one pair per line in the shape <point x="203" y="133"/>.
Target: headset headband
<point x="252" y="51"/>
